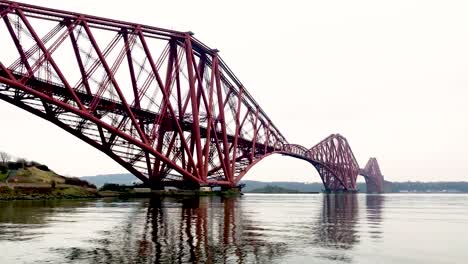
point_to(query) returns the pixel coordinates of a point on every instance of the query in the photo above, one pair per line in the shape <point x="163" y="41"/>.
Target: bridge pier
<point x="156" y="185"/>
<point x="328" y="191"/>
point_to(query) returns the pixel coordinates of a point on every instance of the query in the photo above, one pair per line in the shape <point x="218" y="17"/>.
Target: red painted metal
<point x="333" y="159"/>
<point x="154" y="100"/>
<point x="373" y="176"/>
<point x="335" y="152"/>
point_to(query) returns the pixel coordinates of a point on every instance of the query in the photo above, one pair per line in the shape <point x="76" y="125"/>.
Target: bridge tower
<point x="336" y="163"/>
<point x="373" y="176"/>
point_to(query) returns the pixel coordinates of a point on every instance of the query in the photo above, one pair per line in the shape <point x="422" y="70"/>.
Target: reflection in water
<point x="205" y="230"/>
<point x="25" y="214"/>
<point x="214" y="230"/>
<point x="250" y="229"/>
<point x="374" y="205"/>
<point x="337" y="222"/>
<point x="336" y="229"/>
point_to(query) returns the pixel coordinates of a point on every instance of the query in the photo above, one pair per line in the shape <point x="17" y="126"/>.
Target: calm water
<point x="318" y="228"/>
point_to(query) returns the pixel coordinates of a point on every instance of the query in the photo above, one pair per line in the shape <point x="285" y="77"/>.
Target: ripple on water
<point x="251" y="229"/>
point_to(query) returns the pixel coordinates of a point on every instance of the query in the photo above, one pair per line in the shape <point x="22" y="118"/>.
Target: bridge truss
<point x="152" y="99"/>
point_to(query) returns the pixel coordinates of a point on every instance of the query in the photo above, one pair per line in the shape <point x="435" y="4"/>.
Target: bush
<point x="114" y="187"/>
<point x="33" y="164"/>
<point x="14" y="165"/>
<point x="22" y="162"/>
<point x="79" y="182"/>
<point x="43" y="167"/>
<point x="3" y="168"/>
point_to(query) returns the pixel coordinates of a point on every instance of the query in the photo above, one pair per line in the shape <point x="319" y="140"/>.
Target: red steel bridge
<point x="154" y="100"/>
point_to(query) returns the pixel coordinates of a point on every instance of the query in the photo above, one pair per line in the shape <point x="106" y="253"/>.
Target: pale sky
<point x="390" y="76"/>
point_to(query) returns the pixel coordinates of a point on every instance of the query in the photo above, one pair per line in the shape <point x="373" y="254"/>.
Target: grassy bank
<point x="22" y="181"/>
<point x="46" y="193"/>
<point x="3" y="175"/>
<point x="38" y="182"/>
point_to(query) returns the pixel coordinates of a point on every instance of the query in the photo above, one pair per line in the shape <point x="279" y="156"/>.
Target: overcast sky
<point x="391" y="76"/>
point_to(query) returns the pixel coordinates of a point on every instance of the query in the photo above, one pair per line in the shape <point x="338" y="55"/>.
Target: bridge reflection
<point x="374" y="206"/>
<point x="338" y="219"/>
<point x="208" y="230"/>
<point x="217" y="230"/>
<point x="205" y="230"/>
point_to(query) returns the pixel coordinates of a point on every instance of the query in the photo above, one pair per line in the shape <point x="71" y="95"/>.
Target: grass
<point x="45" y="193"/>
<point x="3" y="176"/>
<point x="35" y="175"/>
<point x="32" y="183"/>
<point x="73" y="191"/>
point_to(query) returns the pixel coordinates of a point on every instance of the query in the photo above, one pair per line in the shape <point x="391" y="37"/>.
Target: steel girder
<point x="335" y="162"/>
<point x="373" y="176"/>
<point x="342" y="168"/>
<point x="154" y="100"/>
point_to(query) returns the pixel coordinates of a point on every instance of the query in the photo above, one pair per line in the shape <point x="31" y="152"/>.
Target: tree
<point x="22" y="162"/>
<point x="4" y="157"/>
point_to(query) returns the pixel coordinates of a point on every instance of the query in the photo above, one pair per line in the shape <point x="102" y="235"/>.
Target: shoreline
<point x="38" y="193"/>
<point x="169" y="193"/>
<point x="9" y="193"/>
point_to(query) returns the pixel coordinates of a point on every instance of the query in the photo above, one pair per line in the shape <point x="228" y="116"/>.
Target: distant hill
<point x="273" y="189"/>
<point x="390" y="187"/>
<point x="395" y="187"/>
<point x="122" y="179"/>
<point x="297" y="186"/>
<point x="128" y="179"/>
<point x="444" y="187"/>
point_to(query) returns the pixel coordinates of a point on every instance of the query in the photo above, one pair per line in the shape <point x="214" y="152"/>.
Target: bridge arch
<point x="154" y="100"/>
<point x="266" y="158"/>
<point x="326" y="172"/>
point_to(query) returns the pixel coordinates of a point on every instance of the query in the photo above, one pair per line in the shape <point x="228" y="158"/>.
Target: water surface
<point x="403" y="228"/>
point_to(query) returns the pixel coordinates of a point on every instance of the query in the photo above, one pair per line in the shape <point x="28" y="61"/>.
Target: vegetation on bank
<point x="273" y="189"/>
<point x="3" y="175"/>
<point x="117" y="187"/>
<point x="32" y="174"/>
<point x="29" y="180"/>
<point x="461" y="187"/>
<point x="116" y="190"/>
<point x="46" y="193"/>
<point x="390" y="187"/>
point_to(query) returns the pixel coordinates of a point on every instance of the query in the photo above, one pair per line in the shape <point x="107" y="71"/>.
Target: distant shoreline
<point x="391" y="187"/>
<point x="69" y="192"/>
<point x="283" y="192"/>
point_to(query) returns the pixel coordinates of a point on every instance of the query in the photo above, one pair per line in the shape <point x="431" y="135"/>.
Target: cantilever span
<point x="334" y="160"/>
<point x="373" y="176"/>
<point x="154" y="100"/>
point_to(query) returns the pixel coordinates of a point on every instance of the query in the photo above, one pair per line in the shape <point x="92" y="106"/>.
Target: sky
<point x="390" y="76"/>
